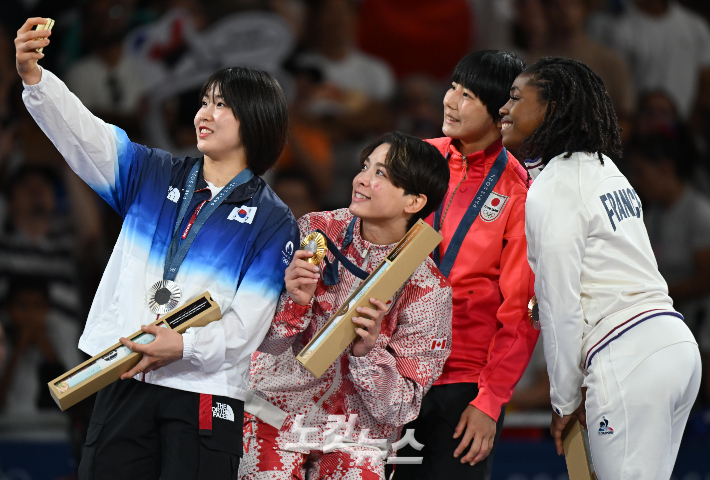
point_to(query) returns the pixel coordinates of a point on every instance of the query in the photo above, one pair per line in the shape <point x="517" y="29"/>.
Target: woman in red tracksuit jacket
<point x="492" y="337"/>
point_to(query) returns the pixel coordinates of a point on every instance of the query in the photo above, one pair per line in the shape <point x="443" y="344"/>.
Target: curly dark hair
<point x="579" y="116"/>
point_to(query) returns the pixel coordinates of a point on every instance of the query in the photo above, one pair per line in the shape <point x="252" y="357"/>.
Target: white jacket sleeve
<point x="224" y="344"/>
<point x="557" y="222"/>
<point x="86" y="142"/>
<point x="100" y="153"/>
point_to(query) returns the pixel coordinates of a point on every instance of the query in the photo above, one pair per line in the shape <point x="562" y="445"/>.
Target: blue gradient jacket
<point x="239" y="256"/>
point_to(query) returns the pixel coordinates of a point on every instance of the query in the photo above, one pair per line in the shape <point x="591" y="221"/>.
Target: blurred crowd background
<point x="350" y="69"/>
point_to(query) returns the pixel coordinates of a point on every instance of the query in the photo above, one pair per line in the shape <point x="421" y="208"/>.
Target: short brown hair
<point x="416" y="166"/>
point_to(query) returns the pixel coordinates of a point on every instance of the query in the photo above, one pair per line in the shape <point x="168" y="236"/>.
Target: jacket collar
<point x="241" y="193"/>
<point x="362" y="246"/>
<point x="476" y="160"/>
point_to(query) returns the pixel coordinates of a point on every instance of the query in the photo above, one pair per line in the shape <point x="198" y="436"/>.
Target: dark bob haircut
<point x="258" y="102"/>
<point x="416" y="166"/>
<point x="488" y="74"/>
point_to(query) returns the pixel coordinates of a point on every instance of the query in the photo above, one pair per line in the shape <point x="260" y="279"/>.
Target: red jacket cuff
<point x="488" y="403"/>
<point x="295" y="312"/>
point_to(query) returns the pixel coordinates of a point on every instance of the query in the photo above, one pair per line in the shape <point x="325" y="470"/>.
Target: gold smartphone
<point x="46" y="26"/>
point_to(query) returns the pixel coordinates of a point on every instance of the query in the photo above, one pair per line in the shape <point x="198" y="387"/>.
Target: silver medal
<point x="163" y="296"/>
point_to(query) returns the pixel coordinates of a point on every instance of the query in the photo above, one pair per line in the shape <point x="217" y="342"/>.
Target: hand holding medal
<point x="316" y="244"/>
<point x="303" y="273"/>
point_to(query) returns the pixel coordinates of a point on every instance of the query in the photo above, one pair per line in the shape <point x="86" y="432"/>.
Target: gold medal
<point x="534" y="313"/>
<point x="163" y="296"/>
<point x="315" y="242"/>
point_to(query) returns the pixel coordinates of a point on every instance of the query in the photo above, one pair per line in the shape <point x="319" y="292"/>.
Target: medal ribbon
<point x="446" y="264"/>
<point x="330" y="271"/>
<point x="178" y="250"/>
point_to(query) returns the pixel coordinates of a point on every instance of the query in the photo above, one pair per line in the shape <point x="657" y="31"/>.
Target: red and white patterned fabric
<point x="263" y="460"/>
<point x="358" y="398"/>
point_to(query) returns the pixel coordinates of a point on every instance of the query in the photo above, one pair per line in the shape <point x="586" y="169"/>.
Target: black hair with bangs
<point x="415" y="166"/>
<point x="258" y="102"/>
<point x="488" y="74"/>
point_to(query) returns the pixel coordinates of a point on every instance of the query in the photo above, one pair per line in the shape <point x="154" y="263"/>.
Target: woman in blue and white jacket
<point x="183" y="418"/>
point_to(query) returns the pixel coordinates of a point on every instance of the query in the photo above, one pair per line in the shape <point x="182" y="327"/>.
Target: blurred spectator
<point x="357" y="85"/>
<point x="566" y="37"/>
<point x="297" y="190"/>
<point x="3" y="348"/>
<point x="700" y="6"/>
<point x="77" y="214"/>
<point x="309" y="149"/>
<point x="8" y="80"/>
<point x="418" y="107"/>
<point x="656" y="112"/>
<point x="107" y="81"/>
<point x="295" y="12"/>
<point x="417" y="36"/>
<point x="351" y="104"/>
<point x="37" y="241"/>
<point x="668" y="48"/>
<point x="10" y="86"/>
<point x="493" y="24"/>
<point x="678" y="221"/>
<point x="530" y="29"/>
<point x="42" y="346"/>
<point x="676" y="215"/>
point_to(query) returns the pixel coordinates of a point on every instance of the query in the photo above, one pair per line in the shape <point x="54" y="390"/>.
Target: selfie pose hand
<point x="26" y="44"/>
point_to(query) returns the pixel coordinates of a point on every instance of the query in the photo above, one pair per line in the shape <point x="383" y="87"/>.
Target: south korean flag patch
<point x="242" y="214"/>
<point x="493" y="206"/>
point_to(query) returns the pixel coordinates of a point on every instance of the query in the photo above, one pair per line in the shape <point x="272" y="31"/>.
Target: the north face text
<point x="223" y="411"/>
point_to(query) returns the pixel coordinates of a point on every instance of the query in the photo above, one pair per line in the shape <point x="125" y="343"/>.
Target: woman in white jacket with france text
<point x="608" y="324"/>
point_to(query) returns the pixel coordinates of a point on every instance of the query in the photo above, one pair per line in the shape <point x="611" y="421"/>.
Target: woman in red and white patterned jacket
<point x="343" y="424"/>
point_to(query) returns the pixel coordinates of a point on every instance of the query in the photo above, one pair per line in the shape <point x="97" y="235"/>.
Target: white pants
<point x="640" y="389"/>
